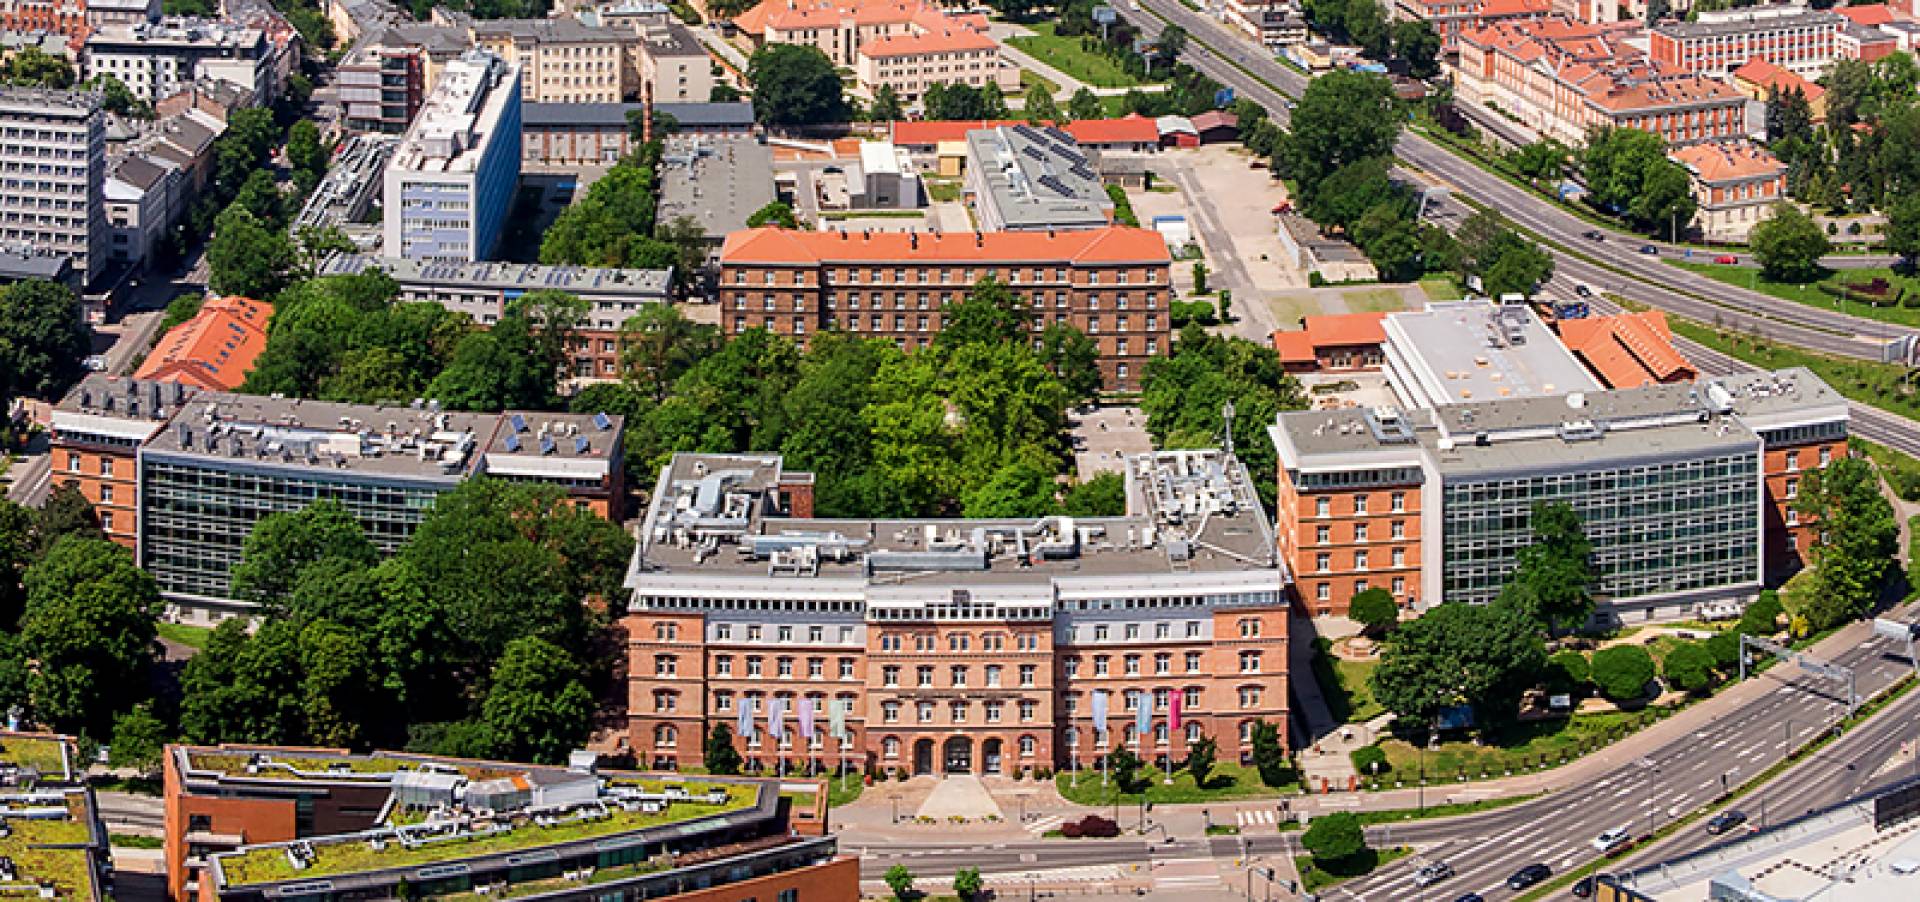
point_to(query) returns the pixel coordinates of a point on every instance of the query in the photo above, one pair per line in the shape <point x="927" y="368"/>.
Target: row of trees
<point x="43" y="339"/>
<point x="1363" y="23"/>
<point x="972" y="425"/>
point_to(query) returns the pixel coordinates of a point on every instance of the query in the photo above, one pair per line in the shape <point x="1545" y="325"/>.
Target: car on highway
<point x="1725" y="821"/>
<point x="1726" y="259"/>
<point x="1649" y="250"/>
<point x="1583" y="289"/>
<point x="1593" y="235"/>
<point x="1612" y="840"/>
<point x="1432" y="874"/>
<point x="1471" y="897"/>
<point x="1528" y="876"/>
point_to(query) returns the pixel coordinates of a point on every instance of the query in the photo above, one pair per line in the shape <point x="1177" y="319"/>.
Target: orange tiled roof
<point x="1869" y="15"/>
<point x="777" y="246"/>
<point x="1494" y="8"/>
<point x="215" y="349"/>
<point x="1726" y="161"/>
<point x="1132" y="128"/>
<point x="1346" y="329"/>
<point x="1294" y="346"/>
<point x="1628" y="350"/>
<point x="949" y="41"/>
<point x="1655" y="94"/>
<point x="1763" y="74"/>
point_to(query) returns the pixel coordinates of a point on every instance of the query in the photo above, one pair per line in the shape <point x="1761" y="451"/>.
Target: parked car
<point x="1726" y="259"/>
<point x="1432" y="874"/>
<point x="1726" y="821"/>
<point x="1611" y="841"/>
<point x="96" y="363"/>
<point x="1583" y="289"/>
<point x="1528" y="876"/>
<point x="1649" y="250"/>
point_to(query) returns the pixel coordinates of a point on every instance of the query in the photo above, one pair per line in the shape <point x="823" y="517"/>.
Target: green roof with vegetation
<point x="353" y="854"/>
<point x="53" y="851"/>
<point x="321" y="767"/>
<point x="42" y="753"/>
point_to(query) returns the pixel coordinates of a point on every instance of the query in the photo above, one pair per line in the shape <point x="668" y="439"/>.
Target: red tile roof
<point x="1728" y="161"/>
<point x="215" y="349"/>
<point x="770" y="245"/>
<point x="1492" y="9"/>
<point x="1628" y="350"/>
<point x="1347" y="329"/>
<point x="1130" y="129"/>
<point x="1763" y="74"/>
<point x="1294" y="347"/>
<point x="1872" y="14"/>
<point x="949" y="41"/>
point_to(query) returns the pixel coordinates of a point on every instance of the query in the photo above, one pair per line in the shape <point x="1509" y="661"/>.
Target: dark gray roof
<point x="138" y="172"/>
<point x="693" y="115"/>
<point x="15" y="266"/>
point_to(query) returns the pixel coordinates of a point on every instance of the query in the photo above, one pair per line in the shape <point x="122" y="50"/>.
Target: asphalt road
<point x="1668" y="287"/>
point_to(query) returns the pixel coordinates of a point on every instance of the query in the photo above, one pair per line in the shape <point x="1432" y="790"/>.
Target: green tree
<point x="967" y="884"/>
<point x="537" y="708"/>
<point x="15" y="676"/>
<point x="1568" y="671"/>
<point x="1688" y="666"/>
<point x="900" y="881"/>
<point x="501" y="368"/>
<point x="181" y="309"/>
<point x="795" y="85"/>
<point x="1761" y="617"/>
<point x="1375" y="610"/>
<point x="340" y="685"/>
<point x="1084" y="104"/>
<point x="1335" y="837"/>
<point x="1903" y="227"/>
<point x="1788" y="245"/>
<point x="1485" y="656"/>
<point x="775" y="213"/>
<point x="30" y="67"/>
<point x="723" y="92"/>
<point x="43" y="339"/>
<point x="1201" y="755"/>
<point x="1622" y="672"/>
<point x="118" y="99"/>
<point x="988" y="314"/>
<point x="1724" y="648"/>
<point x="886" y="106"/>
<point x="89" y="626"/>
<point x="1414" y="40"/>
<point x="1542" y="161"/>
<point x="1124" y="766"/>
<point x="1039" y="106"/>
<point x="248" y="257"/>
<point x="1105" y="495"/>
<point x="1552" y="577"/>
<point x="67" y="512"/>
<point x="139" y="737"/>
<point x="1185" y="394"/>
<point x="1269" y="756"/>
<point x="1343" y="117"/>
<point x="720" y="756"/>
<point x="18" y="548"/>
<point x="1858" y="537"/>
<point x="1370" y="760"/>
<point x="304" y="150"/>
<point x="1629" y="173"/>
<point x="1074" y="359"/>
<point x="283" y="544"/>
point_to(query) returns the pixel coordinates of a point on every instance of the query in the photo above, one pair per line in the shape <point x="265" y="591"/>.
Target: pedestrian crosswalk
<point x="1039" y="826"/>
<point x="1258" y="817"/>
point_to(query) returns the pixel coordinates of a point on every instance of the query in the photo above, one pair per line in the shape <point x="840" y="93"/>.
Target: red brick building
<point x="1114" y="284"/>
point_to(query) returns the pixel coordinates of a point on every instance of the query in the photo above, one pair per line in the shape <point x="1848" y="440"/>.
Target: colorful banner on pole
<point x="837" y="719"/>
<point x="1100" y="713"/>
<point x="1173" y="718"/>
<point x="806" y="718"/>
<point x="777" y="717"/>
<point x="745" y="726"/>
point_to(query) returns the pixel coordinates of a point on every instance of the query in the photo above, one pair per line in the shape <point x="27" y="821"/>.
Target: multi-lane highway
<point x="1228" y="58"/>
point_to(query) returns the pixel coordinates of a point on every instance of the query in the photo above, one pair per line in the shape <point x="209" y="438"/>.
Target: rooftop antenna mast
<point x="1226" y="413"/>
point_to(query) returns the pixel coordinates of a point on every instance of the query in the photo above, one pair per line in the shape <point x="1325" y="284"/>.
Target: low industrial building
<point x="1333" y="343"/>
<point x="1461" y="352"/>
<point x="256" y="823"/>
<point x="954" y="645"/>
<point x="1026" y="179"/>
<point x="483" y="291"/>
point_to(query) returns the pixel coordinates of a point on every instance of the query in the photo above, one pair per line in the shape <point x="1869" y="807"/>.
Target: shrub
<point x="1369" y="760"/>
<point x="1762" y="617"/>
<point x="1622" y="671"/>
<point x="1334" y="837"/>
<point x="1375" y="610"/>
<point x="1688" y="666"/>
<point x="1092" y="826"/>
<point x="1725" y="650"/>
<point x="1568" y="672"/>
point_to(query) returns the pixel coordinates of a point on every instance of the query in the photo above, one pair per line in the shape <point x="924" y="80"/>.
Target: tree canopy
<point x="1858" y="536"/>
<point x="1185" y="394"/>
<point x="43" y="339"/>
<point x="795" y="85"/>
<point x="1629" y="173"/>
<point x="1553" y="577"/>
<point x="1788" y="245"/>
<point x="1484" y="656"/>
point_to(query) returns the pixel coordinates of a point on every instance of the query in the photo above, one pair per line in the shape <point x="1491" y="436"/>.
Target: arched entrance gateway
<point x="923" y="757"/>
<point x="990" y="751"/>
<point x="959" y="755"/>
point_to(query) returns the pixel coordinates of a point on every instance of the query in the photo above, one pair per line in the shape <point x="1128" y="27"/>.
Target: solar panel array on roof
<point x="602" y="422"/>
<point x="518" y="422"/>
<point x="513" y="442"/>
<point x="580" y="444"/>
<point x="546" y="444"/>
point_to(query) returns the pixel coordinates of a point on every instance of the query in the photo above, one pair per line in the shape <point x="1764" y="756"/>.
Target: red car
<point x="1726" y="259"/>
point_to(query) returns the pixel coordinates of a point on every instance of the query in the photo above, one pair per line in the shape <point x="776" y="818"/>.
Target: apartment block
<point x="1452" y="18"/>
<point x="1563" y="79"/>
<point x="674" y="65"/>
<point x="909" y="64"/>
<point x="562" y="60"/>
<point x="953" y="646"/>
<point x="840" y="28"/>
<point x="96" y="434"/>
<point x="381" y="87"/>
<point x="1787" y="35"/>
<point x="155" y="60"/>
<point x="450" y="185"/>
<point x="1273" y="23"/>
<point x="577" y="134"/>
<point x="483" y="291"/>
<point x="255" y="823"/>
<point x="1113" y="284"/>
<point x="53" y="170"/>
<point x="73" y="18"/>
<point x="1736" y="184"/>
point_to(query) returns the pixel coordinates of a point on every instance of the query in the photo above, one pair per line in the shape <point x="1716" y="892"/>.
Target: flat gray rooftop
<point x="718" y="180"/>
<point x="323" y="437"/>
<point x="507" y="276"/>
<point x="1037" y="178"/>
<point x="1465" y="351"/>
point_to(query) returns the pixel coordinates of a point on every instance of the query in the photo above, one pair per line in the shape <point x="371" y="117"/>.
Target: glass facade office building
<point x="1656" y="527"/>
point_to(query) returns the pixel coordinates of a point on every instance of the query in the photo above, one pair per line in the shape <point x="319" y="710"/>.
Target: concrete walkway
<point x="961" y="795"/>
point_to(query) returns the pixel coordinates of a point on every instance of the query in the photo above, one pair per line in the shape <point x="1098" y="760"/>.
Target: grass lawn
<point x="1441" y="288"/>
<point x="1289" y="309"/>
<point x="1029" y="79"/>
<point x="1228" y="782"/>
<point x="1879" y="384"/>
<point x="942" y="190"/>
<point x="42" y="755"/>
<point x="1316" y="875"/>
<point x="195" y="636"/>
<point x="1810" y="293"/>
<point x="1901" y="471"/>
<point x="1066" y="55"/>
<point x="1542" y="743"/>
<point x="837" y="796"/>
<point x="1344" y="685"/>
<point x="1374" y="300"/>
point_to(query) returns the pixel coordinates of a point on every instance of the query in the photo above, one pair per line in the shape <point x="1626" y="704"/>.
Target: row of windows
<point x="1358" y="505"/>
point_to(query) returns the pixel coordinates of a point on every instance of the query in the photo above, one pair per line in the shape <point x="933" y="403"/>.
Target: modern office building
<point x="53" y="845"/>
<point x="451" y="184"/>
<point x="1684" y="490"/>
<point x="224" y="461"/>
<point x="1114" y="284"/>
<point x="1791" y="36"/>
<point x="1023" y="178"/>
<point x="953" y="646"/>
<point x="381" y="86"/>
<point x="155" y="60"/>
<point x="254" y="823"/>
<point x="53" y="172"/>
<point x="483" y="291"/>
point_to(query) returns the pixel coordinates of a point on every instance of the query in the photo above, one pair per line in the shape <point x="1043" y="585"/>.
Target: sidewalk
<point x="866" y="822"/>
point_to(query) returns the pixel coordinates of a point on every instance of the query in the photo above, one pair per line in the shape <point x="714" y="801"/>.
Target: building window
<point x="1323" y="507"/>
<point x="846" y="668"/>
<point x="924" y="712"/>
<point x="1359" y="504"/>
<point x="1359" y="532"/>
<point x="889" y="712"/>
<point x="106" y="463"/>
<point x="958" y="711"/>
<point x="1028" y="708"/>
<point x="1027" y="673"/>
<point x="992" y="711"/>
<point x="1249" y="696"/>
<point x="1193" y="629"/>
<point x="1163" y="663"/>
<point x="723" y="700"/>
<point x="1193" y="662"/>
<point x="1249" y="628"/>
<point x="1100" y="665"/>
<point x="1323" y="592"/>
<point x="890" y="675"/>
<point x="1323" y="562"/>
<point x="665" y="666"/>
<point x="1133" y="631"/>
<point x="1027" y="746"/>
<point x="890" y="746"/>
<point x="959" y="676"/>
<point x="1793" y="488"/>
<point x="785" y="668"/>
<point x="816" y="668"/>
<point x="753" y="666"/>
<point x="1133" y="665"/>
<point x="925" y="675"/>
<point x="1249" y="662"/>
<point x="1399" y="502"/>
<point x="1323" y="535"/>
